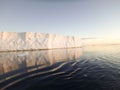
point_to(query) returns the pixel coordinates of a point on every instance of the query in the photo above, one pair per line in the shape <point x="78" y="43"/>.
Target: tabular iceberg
<point x="31" y="41"/>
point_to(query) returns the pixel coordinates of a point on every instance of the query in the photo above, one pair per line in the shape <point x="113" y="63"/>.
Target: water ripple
<point x="93" y="71"/>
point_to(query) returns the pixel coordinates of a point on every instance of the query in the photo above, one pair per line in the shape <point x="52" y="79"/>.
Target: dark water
<point x="87" y="68"/>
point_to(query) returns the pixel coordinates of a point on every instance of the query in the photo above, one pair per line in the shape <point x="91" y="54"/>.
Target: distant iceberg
<point x="100" y="41"/>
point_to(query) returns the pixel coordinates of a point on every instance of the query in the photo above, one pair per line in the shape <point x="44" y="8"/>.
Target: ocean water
<point x="86" y="68"/>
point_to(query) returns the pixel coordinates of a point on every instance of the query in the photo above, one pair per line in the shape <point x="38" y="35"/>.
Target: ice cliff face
<point x="29" y="41"/>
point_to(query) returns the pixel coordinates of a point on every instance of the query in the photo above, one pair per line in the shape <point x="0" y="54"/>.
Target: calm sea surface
<point x="87" y="68"/>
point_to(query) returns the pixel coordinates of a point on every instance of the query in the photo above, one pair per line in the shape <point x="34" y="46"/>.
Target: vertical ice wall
<point x="12" y="41"/>
<point x="30" y="41"/>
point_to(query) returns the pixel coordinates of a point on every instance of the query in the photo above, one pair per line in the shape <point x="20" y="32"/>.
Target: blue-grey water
<point x="86" y="68"/>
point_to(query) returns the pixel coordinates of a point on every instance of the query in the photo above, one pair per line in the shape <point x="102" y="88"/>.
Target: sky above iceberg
<point x="83" y="18"/>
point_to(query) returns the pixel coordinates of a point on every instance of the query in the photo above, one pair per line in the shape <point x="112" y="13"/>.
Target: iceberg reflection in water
<point x="87" y="68"/>
<point x="16" y="67"/>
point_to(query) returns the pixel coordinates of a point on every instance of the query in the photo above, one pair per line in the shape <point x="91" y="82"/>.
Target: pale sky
<point x="83" y="18"/>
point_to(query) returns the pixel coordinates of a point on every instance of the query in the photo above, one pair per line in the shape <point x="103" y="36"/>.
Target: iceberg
<point x="13" y="41"/>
